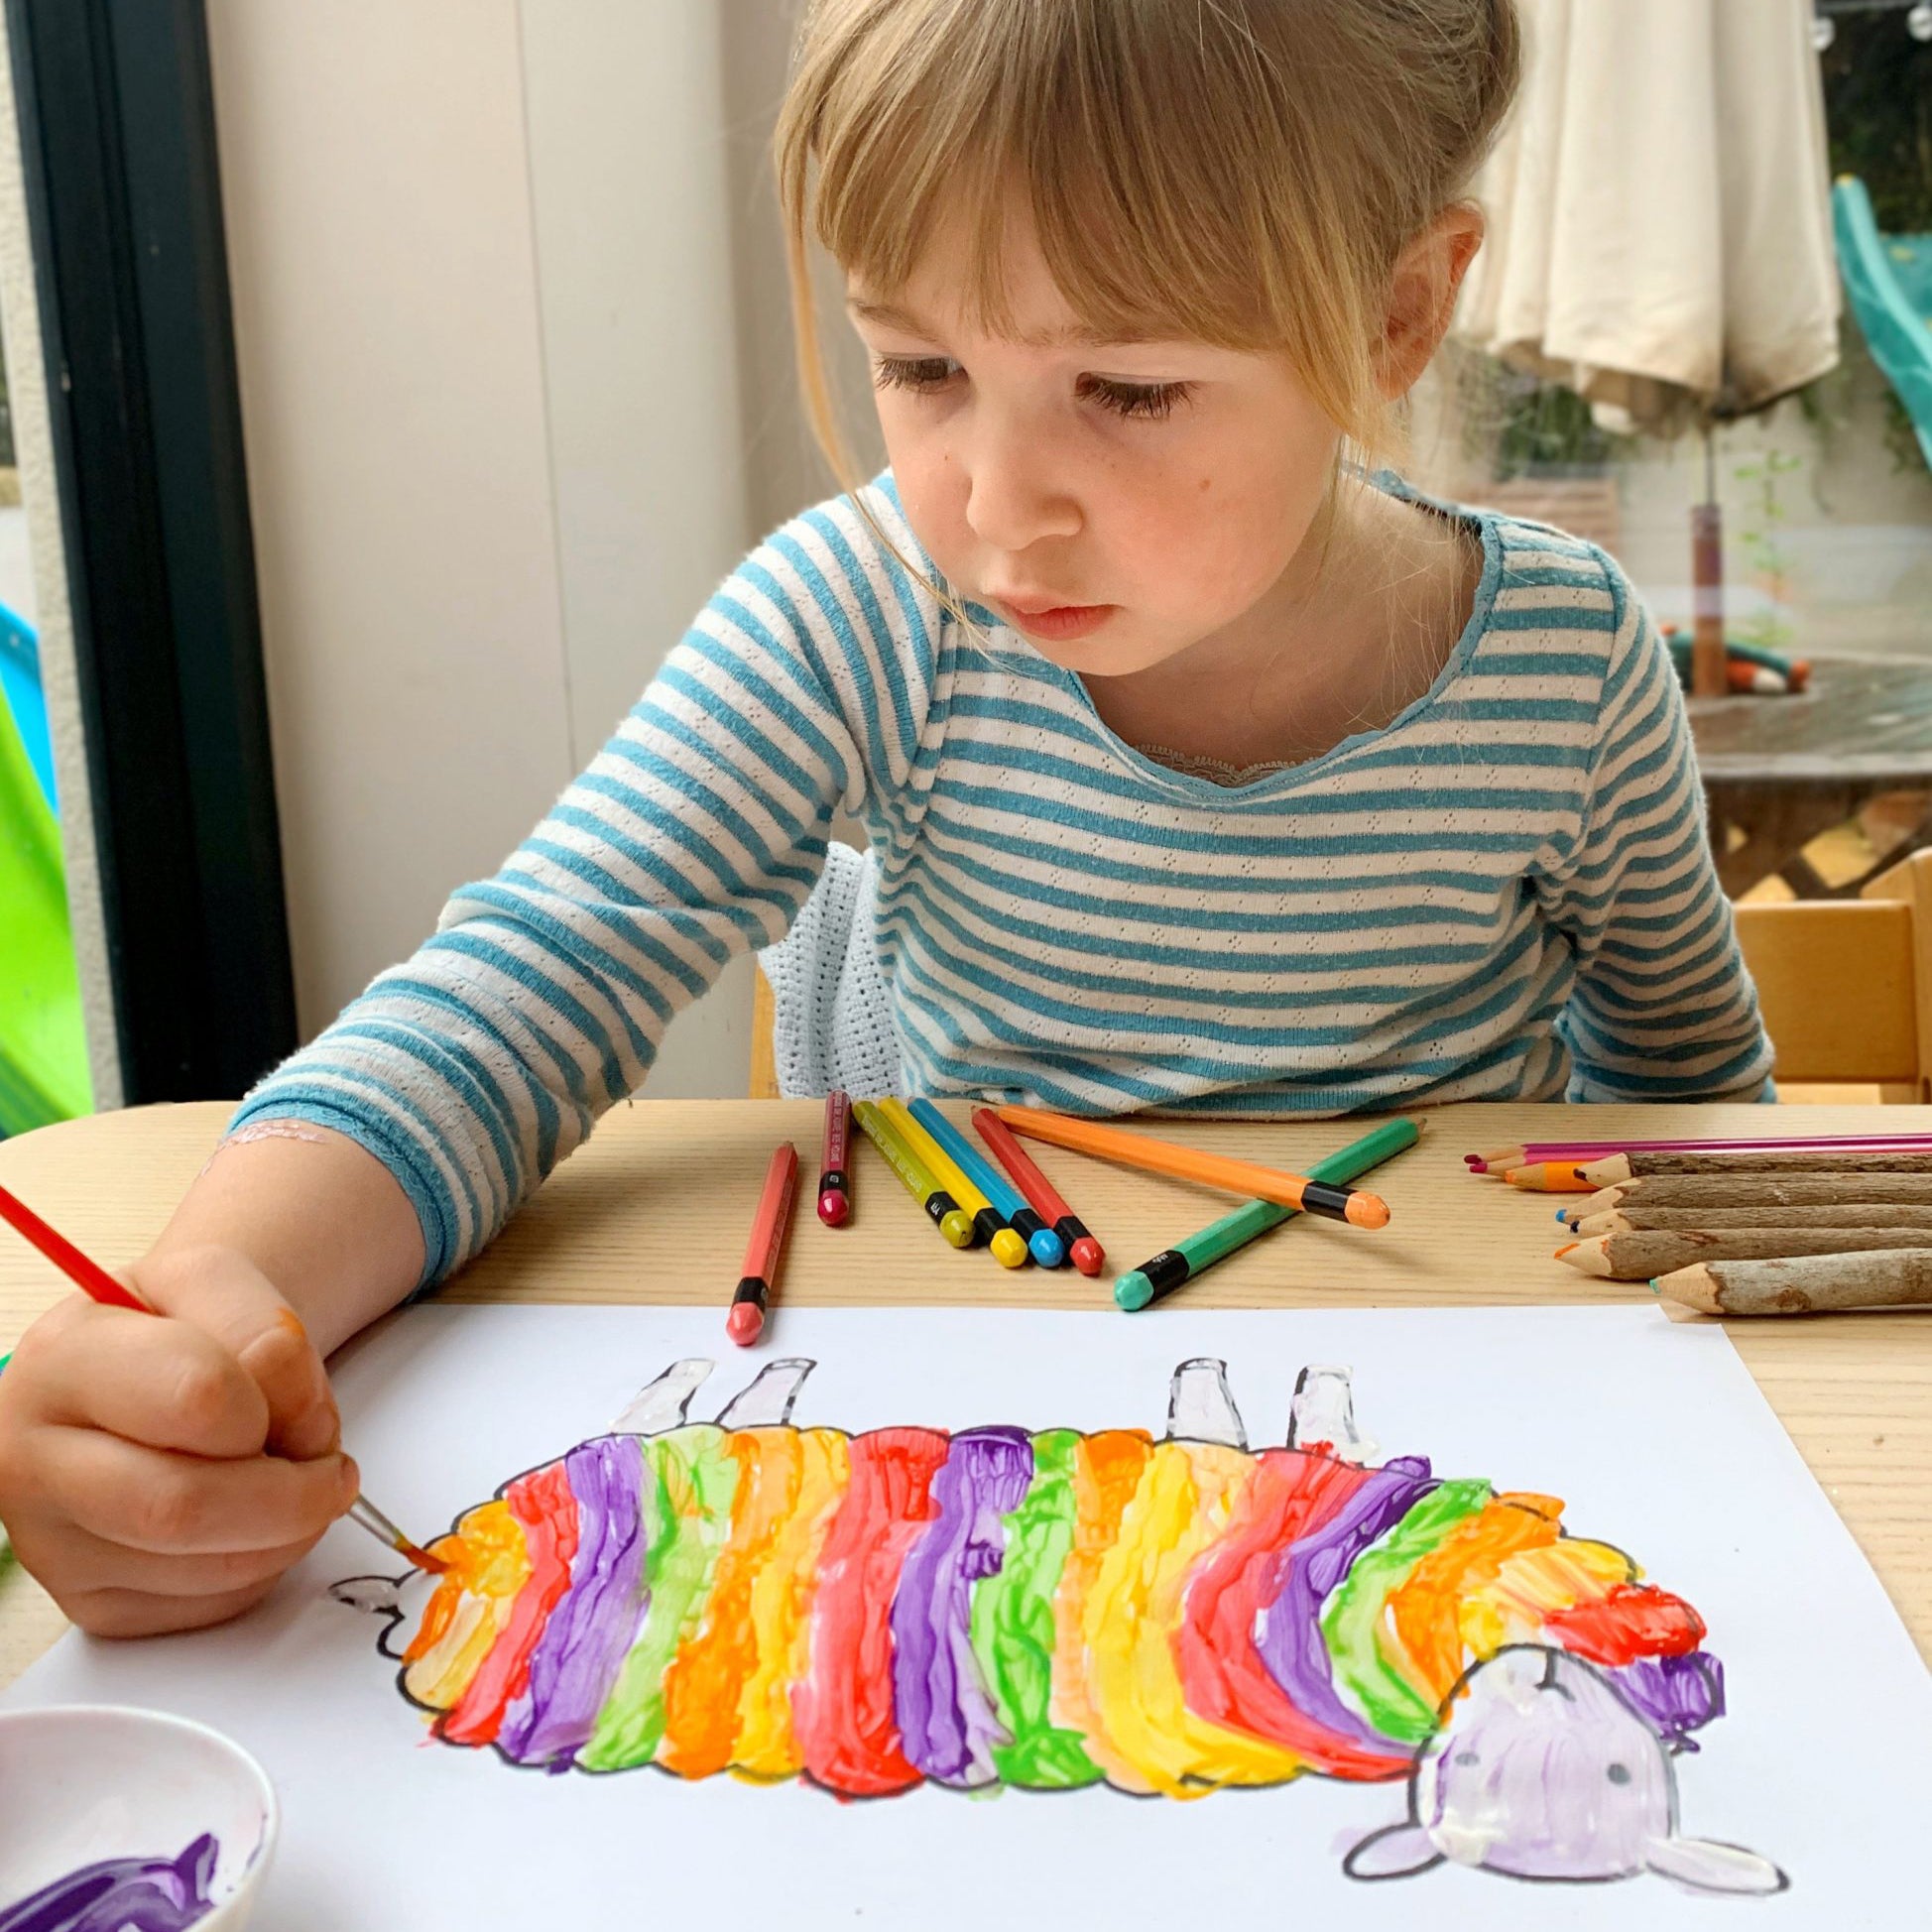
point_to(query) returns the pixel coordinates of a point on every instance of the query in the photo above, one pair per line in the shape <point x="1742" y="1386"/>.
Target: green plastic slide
<point x="1890" y="281"/>
<point x="43" y="1043"/>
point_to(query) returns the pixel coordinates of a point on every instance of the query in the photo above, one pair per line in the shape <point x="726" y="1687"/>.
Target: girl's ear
<point x="1422" y="296"/>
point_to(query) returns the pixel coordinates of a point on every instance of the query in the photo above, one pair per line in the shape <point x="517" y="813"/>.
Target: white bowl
<point x="84" y="1783"/>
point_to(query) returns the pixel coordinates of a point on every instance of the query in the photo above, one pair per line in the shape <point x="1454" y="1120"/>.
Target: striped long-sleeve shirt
<point x="1505" y="894"/>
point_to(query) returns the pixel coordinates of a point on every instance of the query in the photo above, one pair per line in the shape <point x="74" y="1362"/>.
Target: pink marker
<point x="835" y="1190"/>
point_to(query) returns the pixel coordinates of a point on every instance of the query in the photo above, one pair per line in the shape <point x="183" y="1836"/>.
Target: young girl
<point x="1204" y="770"/>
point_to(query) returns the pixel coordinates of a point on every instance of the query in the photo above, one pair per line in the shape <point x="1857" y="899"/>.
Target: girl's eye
<point x="1149" y="402"/>
<point x="919" y="373"/>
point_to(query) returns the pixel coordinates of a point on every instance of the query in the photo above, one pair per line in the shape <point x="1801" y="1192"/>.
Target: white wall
<point x="483" y="319"/>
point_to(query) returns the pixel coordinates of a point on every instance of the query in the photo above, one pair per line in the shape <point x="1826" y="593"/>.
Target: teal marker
<point x="1046" y="1247"/>
<point x="1172" y="1267"/>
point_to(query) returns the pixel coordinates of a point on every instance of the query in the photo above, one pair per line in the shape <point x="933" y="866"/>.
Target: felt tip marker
<point x="1082" y="1250"/>
<point x="953" y="1221"/>
<point x="835" y="1190"/>
<point x="1046" y="1247"/>
<point x="746" y="1321"/>
<point x="1007" y="1247"/>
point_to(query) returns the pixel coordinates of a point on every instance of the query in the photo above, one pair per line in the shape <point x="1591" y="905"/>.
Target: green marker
<point x="1175" y="1266"/>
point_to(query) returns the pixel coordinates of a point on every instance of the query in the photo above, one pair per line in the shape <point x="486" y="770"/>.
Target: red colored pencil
<point x="746" y="1322"/>
<point x="834" y="1189"/>
<point x="1085" y="1253"/>
<point x="97" y="1284"/>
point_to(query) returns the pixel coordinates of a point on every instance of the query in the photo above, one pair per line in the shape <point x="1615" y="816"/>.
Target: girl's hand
<point x="160" y="1472"/>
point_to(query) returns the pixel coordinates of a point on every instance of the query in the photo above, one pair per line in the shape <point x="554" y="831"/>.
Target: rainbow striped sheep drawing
<point x="1051" y="1610"/>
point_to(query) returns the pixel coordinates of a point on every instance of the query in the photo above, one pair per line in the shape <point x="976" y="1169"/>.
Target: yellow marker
<point x="903" y="1158"/>
<point x="1009" y="1246"/>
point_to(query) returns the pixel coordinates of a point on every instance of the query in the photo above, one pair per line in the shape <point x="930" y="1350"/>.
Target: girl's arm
<point x="162" y="1474"/>
<point x="1662" y="1006"/>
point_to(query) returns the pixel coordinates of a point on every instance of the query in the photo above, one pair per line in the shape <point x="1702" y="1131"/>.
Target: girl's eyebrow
<point x="1076" y="336"/>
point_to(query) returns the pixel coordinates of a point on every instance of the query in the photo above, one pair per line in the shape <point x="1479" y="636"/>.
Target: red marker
<point x="1083" y="1251"/>
<point x="834" y="1192"/>
<point x="746" y="1322"/>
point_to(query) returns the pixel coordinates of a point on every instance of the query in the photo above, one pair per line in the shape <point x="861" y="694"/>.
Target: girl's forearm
<point x="325" y="1220"/>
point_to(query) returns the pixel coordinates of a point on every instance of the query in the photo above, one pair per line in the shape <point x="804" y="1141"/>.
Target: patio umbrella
<point x="1661" y="235"/>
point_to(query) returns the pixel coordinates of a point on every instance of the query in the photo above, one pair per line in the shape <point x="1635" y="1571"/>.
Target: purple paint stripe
<point x="1287" y="1631"/>
<point x="590" y="1633"/>
<point x="946" y="1720"/>
<point x="1674" y="1695"/>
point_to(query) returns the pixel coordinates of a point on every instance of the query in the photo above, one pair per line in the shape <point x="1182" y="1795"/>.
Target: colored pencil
<point x="1851" y="1213"/>
<point x="1643" y="1256"/>
<point x="1759" y="1190"/>
<point x="1528" y="1152"/>
<point x="1160" y="1275"/>
<point x="1851" y="1160"/>
<point x="834" y="1189"/>
<point x="752" y="1300"/>
<point x="97" y="1284"/>
<point x="1129" y="1149"/>
<point x="1809" y="1284"/>
<point x="1046" y="1247"/>
<point x="1550" y="1177"/>
<point x="1008" y="1249"/>
<point x="905" y="1161"/>
<point x="1083" y="1251"/>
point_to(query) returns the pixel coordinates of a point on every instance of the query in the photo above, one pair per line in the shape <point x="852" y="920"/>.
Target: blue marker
<point x="1046" y="1247"/>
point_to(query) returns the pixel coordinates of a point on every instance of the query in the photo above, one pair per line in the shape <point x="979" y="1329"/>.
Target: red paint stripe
<point x="842" y="1714"/>
<point x="546" y="1512"/>
<point x="1291" y="1495"/>
<point x="1637" y="1620"/>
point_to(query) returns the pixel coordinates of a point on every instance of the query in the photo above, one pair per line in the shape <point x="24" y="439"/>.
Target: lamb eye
<point x="1469" y="1757"/>
<point x="1618" y="1774"/>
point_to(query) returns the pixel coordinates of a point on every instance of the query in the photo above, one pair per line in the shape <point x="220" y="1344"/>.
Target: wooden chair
<point x="1847" y="984"/>
<point x="765" y="1067"/>
<point x="1846" y="987"/>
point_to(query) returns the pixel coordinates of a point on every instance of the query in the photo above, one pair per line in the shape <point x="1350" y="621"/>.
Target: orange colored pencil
<point x="1550" y="1177"/>
<point x="1129" y="1149"/>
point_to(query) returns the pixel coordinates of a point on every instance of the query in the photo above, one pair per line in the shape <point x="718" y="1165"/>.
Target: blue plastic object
<point x="1890" y="281"/>
<point x="20" y="683"/>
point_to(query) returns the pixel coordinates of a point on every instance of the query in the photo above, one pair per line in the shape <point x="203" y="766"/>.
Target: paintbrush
<point x="95" y="1281"/>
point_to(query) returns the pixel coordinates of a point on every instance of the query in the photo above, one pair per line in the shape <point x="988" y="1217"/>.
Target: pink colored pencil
<point x="1533" y="1152"/>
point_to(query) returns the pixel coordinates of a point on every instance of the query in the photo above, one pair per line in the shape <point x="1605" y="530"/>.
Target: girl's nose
<point x="1011" y="499"/>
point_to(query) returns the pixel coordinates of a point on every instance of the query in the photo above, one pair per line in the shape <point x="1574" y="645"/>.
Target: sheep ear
<point x="1398" y="1852"/>
<point x="1706" y="1864"/>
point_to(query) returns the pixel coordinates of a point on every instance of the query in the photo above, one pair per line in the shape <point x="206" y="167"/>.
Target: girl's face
<point x="1115" y="502"/>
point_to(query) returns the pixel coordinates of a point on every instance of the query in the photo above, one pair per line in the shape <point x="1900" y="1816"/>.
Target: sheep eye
<point x="1618" y="1774"/>
<point x="1467" y="1758"/>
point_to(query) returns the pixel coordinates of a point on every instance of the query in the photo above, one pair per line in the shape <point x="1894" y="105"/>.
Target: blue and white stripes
<point x="1504" y="894"/>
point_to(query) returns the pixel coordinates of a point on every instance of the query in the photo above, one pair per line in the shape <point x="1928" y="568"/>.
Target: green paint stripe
<point x="1352" y="1623"/>
<point x="1012" y="1625"/>
<point x="681" y="1564"/>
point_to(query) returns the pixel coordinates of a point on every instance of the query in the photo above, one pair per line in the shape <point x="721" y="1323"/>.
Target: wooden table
<point x="623" y="1221"/>
<point x="1778" y="770"/>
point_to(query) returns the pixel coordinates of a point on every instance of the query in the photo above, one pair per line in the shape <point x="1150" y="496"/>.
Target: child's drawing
<point x="1051" y="1610"/>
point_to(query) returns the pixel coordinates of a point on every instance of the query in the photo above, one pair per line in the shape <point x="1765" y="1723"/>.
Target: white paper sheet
<point x="1653" y="1433"/>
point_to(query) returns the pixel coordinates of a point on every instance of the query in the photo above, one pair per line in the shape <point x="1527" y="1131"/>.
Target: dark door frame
<point x="124" y="202"/>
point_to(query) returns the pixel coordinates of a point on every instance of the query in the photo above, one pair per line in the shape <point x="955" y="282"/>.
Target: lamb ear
<point x="1707" y="1864"/>
<point x="1397" y="1851"/>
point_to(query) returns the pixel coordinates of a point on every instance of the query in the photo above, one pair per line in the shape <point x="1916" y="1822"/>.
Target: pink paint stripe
<point x="1535" y="1151"/>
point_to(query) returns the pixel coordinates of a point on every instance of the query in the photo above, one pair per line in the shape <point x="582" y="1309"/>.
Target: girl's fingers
<point x="112" y="1566"/>
<point x="165" y="1383"/>
<point x="131" y="1612"/>
<point x="226" y="1296"/>
<point x="183" y="1505"/>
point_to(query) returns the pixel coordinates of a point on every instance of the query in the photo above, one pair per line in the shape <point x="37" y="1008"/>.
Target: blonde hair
<point x="1244" y="173"/>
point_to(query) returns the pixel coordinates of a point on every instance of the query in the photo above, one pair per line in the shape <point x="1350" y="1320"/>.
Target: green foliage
<point x="1879" y="117"/>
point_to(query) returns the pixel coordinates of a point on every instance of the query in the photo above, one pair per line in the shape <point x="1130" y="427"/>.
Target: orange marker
<point x="1115" y="1143"/>
<point x="746" y="1322"/>
<point x="1550" y="1177"/>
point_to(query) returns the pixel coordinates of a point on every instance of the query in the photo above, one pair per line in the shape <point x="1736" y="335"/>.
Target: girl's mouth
<point x="1059" y="622"/>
